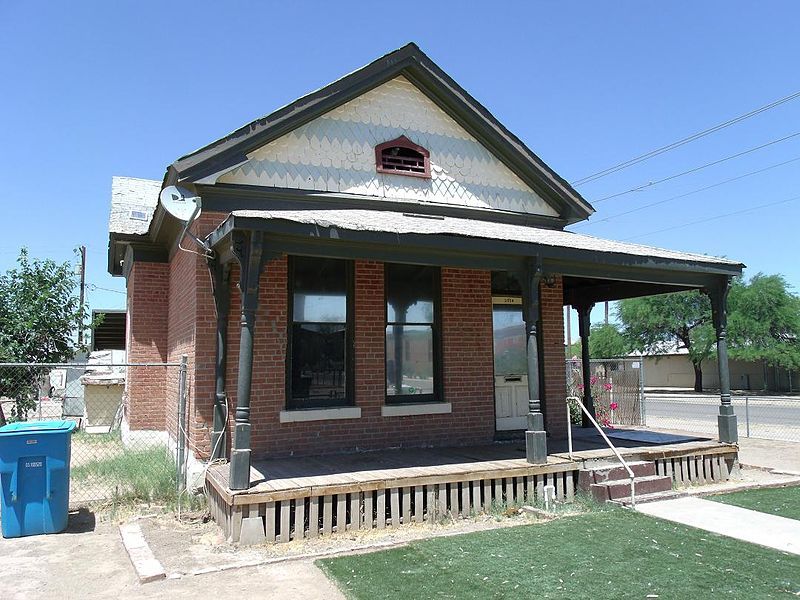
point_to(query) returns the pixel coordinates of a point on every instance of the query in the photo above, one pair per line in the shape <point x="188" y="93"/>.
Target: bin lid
<point x="29" y="427"/>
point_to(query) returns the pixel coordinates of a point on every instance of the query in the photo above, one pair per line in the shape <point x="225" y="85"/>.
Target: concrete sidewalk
<point x="778" y="533"/>
<point x="783" y="457"/>
<point x="88" y="562"/>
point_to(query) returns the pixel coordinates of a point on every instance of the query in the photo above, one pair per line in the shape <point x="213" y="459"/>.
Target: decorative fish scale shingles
<point x="335" y="153"/>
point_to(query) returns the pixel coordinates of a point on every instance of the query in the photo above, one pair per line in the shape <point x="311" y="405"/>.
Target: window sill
<point x="407" y="410"/>
<point x="320" y="414"/>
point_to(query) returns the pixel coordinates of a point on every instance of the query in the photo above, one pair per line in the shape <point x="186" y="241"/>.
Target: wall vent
<point x="401" y="156"/>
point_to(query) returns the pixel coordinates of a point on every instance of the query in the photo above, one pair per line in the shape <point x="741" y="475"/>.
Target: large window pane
<point x="318" y="364"/>
<point x="320" y="290"/>
<point x="411" y="333"/>
<point x="318" y="359"/>
<point x="409" y="360"/>
<point x="410" y="292"/>
<point x="510" y="357"/>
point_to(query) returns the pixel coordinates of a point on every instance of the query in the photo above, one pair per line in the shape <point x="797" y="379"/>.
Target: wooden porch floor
<point x="293" y="498"/>
<point x="276" y="479"/>
<point x="281" y="478"/>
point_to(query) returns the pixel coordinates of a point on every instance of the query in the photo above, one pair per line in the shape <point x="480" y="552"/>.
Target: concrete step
<point x="654" y="497"/>
<point x="614" y="490"/>
<point x="614" y="472"/>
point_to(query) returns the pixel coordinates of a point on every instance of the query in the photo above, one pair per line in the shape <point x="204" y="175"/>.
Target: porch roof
<point x="432" y="239"/>
<point x="401" y="223"/>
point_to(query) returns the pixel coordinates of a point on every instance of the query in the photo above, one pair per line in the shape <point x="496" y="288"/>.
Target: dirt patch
<point x="194" y="546"/>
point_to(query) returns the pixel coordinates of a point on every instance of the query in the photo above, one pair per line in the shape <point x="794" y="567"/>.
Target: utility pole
<point x="82" y="293"/>
<point x="606" y="312"/>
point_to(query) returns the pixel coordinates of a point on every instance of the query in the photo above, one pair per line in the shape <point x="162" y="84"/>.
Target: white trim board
<point x="407" y="410"/>
<point x="320" y="414"/>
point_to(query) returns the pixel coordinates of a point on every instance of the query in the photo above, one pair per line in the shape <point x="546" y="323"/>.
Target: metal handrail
<point x="608" y="442"/>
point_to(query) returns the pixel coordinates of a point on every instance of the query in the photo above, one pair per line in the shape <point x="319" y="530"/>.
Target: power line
<point x="715" y="218"/>
<point x="679" y="196"/>
<point x="695" y="136"/>
<point x="696" y="169"/>
<point x="94" y="287"/>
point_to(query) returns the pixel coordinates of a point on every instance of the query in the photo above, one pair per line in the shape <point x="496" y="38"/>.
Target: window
<point x="510" y="338"/>
<point x="319" y="352"/>
<point x="403" y="157"/>
<point x="412" y="334"/>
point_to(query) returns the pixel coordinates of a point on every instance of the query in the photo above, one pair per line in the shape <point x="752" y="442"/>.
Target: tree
<point x="40" y="313"/>
<point x="606" y="341"/>
<point x="764" y="322"/>
<point x="655" y="324"/>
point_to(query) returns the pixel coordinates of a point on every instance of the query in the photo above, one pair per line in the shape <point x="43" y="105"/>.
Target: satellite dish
<point x="180" y="203"/>
<point x="184" y="206"/>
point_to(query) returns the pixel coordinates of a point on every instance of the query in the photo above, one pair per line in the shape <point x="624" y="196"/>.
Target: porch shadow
<point x="587" y="438"/>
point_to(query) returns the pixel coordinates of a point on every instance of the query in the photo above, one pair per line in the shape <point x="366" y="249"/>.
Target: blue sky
<point x="95" y="89"/>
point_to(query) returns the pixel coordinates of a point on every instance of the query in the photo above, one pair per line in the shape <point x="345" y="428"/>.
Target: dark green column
<point x="220" y="277"/>
<point x="535" y="435"/>
<point x="247" y="247"/>
<point x="584" y="326"/>
<point x="726" y="420"/>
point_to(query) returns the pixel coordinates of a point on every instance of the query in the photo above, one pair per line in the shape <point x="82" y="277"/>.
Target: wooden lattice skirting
<point x="327" y="511"/>
<point x="698" y="468"/>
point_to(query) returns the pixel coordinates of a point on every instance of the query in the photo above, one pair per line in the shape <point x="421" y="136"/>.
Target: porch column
<point x="220" y="277"/>
<point x="584" y="325"/>
<point x="535" y="435"/>
<point x="726" y="420"/>
<point x="247" y="248"/>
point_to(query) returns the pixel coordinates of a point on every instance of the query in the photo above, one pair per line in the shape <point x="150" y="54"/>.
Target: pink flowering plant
<point x="604" y="408"/>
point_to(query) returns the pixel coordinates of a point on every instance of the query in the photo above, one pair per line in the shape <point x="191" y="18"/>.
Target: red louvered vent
<point x="403" y="157"/>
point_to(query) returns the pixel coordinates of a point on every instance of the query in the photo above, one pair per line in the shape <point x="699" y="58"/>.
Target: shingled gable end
<point x="352" y="302"/>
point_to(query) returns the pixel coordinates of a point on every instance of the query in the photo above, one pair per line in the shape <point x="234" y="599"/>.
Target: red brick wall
<point x="148" y="292"/>
<point x="555" y="378"/>
<point x="171" y="312"/>
<point x="182" y="313"/>
<point x="468" y="376"/>
<point x="192" y="331"/>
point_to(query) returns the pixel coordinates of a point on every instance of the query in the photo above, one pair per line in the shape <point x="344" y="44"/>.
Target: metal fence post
<point x="747" y="413"/>
<point x="181" y="451"/>
<point x="642" y="408"/>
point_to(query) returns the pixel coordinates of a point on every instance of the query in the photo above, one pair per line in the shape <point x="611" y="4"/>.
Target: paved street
<point x="771" y="417"/>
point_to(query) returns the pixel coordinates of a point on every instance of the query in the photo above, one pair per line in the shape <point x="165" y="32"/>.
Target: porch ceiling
<point x="603" y="269"/>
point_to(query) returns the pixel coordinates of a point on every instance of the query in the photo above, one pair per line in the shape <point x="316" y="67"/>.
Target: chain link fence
<point x="620" y="383"/>
<point x="118" y="454"/>
<point x="616" y="386"/>
<point x="759" y="416"/>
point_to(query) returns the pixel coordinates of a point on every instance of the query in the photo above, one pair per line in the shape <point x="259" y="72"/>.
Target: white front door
<point x="511" y="402"/>
<point x="510" y="364"/>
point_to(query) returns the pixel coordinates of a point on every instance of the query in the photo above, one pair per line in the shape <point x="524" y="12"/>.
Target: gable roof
<point x="413" y="64"/>
<point x="133" y="203"/>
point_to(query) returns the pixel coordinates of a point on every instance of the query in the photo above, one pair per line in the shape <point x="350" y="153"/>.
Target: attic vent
<point x="403" y="157"/>
<point x="138" y="215"/>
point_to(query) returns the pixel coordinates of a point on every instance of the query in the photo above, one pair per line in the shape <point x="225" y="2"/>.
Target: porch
<point x="294" y="498"/>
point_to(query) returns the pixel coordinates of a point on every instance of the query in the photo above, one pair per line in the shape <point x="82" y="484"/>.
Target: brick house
<point x="366" y="242"/>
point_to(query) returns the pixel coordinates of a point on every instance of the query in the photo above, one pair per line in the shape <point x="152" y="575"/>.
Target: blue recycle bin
<point x="34" y="477"/>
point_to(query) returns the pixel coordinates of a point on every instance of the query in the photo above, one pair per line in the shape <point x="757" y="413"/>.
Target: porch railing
<point x="607" y="441"/>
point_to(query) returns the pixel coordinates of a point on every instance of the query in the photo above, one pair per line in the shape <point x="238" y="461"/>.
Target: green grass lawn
<point x="610" y="553"/>
<point x="784" y="502"/>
